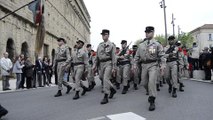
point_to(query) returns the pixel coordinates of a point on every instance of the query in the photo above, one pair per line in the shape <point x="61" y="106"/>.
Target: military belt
<point x="171" y="60"/>
<point x="123" y="62"/>
<point x="106" y="60"/>
<point x="61" y="60"/>
<point x="148" y="61"/>
<point x="78" y="63"/>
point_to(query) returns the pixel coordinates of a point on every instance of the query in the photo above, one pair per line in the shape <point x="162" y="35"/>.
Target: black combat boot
<point x="125" y="89"/>
<point x="161" y="84"/>
<point x="151" y="100"/>
<point x="181" y="87"/>
<point x="68" y="89"/>
<point x="174" y="94"/>
<point x="117" y="86"/>
<point x="135" y="86"/>
<point x="170" y="88"/>
<point x="58" y="94"/>
<point x="84" y="90"/>
<point x="93" y="85"/>
<point x="105" y="99"/>
<point x="158" y="87"/>
<point x="128" y="84"/>
<point x="164" y="81"/>
<point x="76" y="96"/>
<point x="112" y="92"/>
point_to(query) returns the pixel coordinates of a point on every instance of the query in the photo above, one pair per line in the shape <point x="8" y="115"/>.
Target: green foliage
<point x="186" y="40"/>
<point x="161" y="39"/>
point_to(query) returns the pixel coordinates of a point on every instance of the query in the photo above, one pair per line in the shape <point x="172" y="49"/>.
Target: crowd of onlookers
<point x="28" y="74"/>
<point x="201" y="60"/>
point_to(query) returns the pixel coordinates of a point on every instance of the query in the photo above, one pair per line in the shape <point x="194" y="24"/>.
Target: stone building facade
<point x="203" y="36"/>
<point x="63" y="18"/>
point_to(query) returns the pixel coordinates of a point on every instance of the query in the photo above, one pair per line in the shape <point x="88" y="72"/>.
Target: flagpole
<point x="17" y="10"/>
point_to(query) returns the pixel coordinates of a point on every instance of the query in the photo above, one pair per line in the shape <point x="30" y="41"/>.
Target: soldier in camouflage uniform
<point x="182" y="64"/>
<point x="171" y="53"/>
<point x="136" y="74"/>
<point x="148" y="53"/>
<point x="80" y="63"/>
<point x="124" y="60"/>
<point x="90" y="77"/>
<point x="62" y="59"/>
<point x="106" y="62"/>
<point x="118" y="76"/>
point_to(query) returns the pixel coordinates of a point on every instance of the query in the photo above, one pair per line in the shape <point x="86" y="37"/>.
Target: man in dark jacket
<point x="206" y="63"/>
<point x="39" y="71"/>
<point x="29" y="72"/>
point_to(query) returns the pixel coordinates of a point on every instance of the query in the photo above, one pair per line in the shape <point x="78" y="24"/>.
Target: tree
<point x="186" y="40"/>
<point x="161" y="39"/>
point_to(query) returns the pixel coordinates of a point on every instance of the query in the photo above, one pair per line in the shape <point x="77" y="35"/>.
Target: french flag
<point x="37" y="9"/>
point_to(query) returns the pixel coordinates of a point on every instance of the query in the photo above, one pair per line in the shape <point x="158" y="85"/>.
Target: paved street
<point x="39" y="104"/>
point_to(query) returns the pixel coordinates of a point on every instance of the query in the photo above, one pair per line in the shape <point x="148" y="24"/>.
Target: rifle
<point x="124" y="50"/>
<point x="171" y="49"/>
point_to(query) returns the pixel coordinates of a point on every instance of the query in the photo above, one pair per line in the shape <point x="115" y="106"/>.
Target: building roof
<point x="205" y="26"/>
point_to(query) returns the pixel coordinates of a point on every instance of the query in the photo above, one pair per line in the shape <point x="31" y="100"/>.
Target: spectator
<point x="29" y="72"/>
<point x="206" y="63"/>
<point x="6" y="65"/>
<point x="39" y="71"/>
<point x="47" y="71"/>
<point x="17" y="69"/>
<point x="23" y="72"/>
<point x="195" y="56"/>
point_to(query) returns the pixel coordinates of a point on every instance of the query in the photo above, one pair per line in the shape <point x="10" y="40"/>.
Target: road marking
<point x="126" y="116"/>
<point x="98" y="118"/>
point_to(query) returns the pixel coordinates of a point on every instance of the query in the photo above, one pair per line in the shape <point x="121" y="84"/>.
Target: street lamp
<point x="163" y="5"/>
<point x="173" y="24"/>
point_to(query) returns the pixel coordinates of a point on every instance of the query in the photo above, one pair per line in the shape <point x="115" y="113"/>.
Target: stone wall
<point x="63" y="18"/>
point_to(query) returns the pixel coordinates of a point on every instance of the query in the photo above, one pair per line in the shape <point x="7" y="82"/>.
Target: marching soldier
<point x="171" y="53"/>
<point x="80" y="64"/>
<point x="91" y="79"/>
<point x="136" y="74"/>
<point x="62" y="59"/>
<point x="124" y="60"/>
<point x="106" y="61"/>
<point x="118" y="76"/>
<point x="182" y="63"/>
<point x="148" y="53"/>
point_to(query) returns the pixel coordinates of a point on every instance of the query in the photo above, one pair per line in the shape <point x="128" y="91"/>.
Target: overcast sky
<point x="127" y="19"/>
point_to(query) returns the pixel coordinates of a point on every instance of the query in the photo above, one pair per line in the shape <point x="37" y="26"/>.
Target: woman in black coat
<point x="29" y="72"/>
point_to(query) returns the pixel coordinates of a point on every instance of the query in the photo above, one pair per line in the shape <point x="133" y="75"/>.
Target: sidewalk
<point x="12" y="82"/>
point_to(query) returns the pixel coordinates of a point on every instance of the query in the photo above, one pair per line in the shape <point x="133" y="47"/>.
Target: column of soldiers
<point x="147" y="63"/>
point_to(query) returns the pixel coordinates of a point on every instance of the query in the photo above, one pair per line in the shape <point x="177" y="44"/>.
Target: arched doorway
<point x="10" y="48"/>
<point x="53" y="54"/>
<point x="25" y="49"/>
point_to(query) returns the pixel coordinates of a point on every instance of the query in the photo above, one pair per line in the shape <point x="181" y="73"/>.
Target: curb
<point x="23" y="90"/>
<point x="198" y="80"/>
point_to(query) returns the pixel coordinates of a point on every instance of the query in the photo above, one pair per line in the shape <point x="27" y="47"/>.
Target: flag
<point x="37" y="8"/>
<point x="40" y="36"/>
